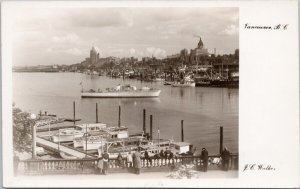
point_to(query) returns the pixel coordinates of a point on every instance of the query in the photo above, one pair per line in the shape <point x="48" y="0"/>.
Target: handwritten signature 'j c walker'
<point x="258" y="167"/>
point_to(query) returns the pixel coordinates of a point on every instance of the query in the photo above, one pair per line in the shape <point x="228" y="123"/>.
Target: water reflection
<point x="135" y="101"/>
<point x="181" y="92"/>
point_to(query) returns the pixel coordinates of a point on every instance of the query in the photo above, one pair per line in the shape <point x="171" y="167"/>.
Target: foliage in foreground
<point x="22" y="137"/>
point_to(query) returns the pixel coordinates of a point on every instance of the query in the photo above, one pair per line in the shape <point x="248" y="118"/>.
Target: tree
<point x="22" y="136"/>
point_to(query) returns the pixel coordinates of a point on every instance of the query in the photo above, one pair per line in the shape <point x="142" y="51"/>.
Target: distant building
<point x="112" y="59"/>
<point x="196" y="53"/>
<point x="146" y="59"/>
<point x="193" y="57"/>
<point x="236" y="53"/>
<point x="184" y="55"/>
<point x="109" y="59"/>
<point x="94" y="56"/>
<point x="173" y="56"/>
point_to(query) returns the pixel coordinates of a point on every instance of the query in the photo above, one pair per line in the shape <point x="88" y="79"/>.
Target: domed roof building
<point x="196" y="53"/>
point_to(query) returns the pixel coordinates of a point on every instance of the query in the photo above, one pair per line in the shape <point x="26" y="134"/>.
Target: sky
<point x="47" y="36"/>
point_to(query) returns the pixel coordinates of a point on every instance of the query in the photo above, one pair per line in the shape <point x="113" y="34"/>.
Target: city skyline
<point x="65" y="36"/>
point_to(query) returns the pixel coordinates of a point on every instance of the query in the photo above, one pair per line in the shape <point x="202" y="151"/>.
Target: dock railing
<point x="89" y="166"/>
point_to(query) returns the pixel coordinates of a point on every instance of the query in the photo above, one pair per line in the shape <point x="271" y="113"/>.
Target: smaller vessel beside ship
<point x="185" y="82"/>
<point x="69" y="134"/>
<point x="66" y="135"/>
<point x="122" y="91"/>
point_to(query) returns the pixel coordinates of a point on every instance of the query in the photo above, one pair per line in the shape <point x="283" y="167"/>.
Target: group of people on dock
<point x="133" y="160"/>
<point x="224" y="159"/>
<point x="102" y="164"/>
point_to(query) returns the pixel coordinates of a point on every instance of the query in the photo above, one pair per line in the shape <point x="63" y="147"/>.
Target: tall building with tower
<point x="199" y="51"/>
<point x="94" y="56"/>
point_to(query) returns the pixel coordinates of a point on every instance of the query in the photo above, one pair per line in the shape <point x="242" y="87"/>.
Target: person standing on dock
<point x="225" y="155"/>
<point x="204" y="158"/>
<point x="129" y="159"/>
<point x="100" y="164"/>
<point x="105" y="163"/>
<point x="137" y="162"/>
<point x="147" y="157"/>
<point x="120" y="160"/>
<point x="162" y="154"/>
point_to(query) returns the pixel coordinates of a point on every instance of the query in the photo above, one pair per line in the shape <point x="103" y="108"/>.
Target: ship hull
<point x="225" y="83"/>
<point x="92" y="145"/>
<point x="184" y="85"/>
<point x="138" y="94"/>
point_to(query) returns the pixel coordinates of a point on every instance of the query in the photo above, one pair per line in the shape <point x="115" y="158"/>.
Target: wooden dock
<point x="49" y="145"/>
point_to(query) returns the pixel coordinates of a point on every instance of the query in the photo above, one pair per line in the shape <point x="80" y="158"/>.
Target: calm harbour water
<point x="203" y="110"/>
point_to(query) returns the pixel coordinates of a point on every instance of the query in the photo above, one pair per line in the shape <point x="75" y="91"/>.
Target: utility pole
<point x="182" y="134"/>
<point x="74" y="112"/>
<point x="96" y="112"/>
<point x="151" y="117"/>
<point x="119" y="121"/>
<point x="144" y="121"/>
<point x="221" y="139"/>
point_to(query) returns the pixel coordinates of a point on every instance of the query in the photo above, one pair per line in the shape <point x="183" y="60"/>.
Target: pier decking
<point x="61" y="148"/>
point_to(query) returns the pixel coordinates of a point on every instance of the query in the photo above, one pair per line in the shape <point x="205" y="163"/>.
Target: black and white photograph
<point x="126" y="91"/>
<point x="112" y="92"/>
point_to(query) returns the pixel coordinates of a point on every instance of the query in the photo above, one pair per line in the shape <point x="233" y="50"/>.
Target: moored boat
<point x="168" y="82"/>
<point x="66" y="135"/>
<point x="69" y="134"/>
<point x="202" y="82"/>
<point x="97" y="138"/>
<point x="93" y="142"/>
<point x="91" y="127"/>
<point x="184" y="84"/>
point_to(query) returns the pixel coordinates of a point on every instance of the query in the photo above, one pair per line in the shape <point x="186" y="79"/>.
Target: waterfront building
<point x="184" y="55"/>
<point x="194" y="57"/>
<point x="198" y="52"/>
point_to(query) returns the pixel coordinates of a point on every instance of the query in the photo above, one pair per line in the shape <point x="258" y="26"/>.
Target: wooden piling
<point x="221" y="139"/>
<point x="182" y="134"/>
<point x="119" y="122"/>
<point x="74" y="112"/>
<point x="151" y="127"/>
<point x="96" y="112"/>
<point x="144" y="121"/>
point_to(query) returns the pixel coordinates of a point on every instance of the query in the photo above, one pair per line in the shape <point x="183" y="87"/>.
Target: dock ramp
<point x="68" y="150"/>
